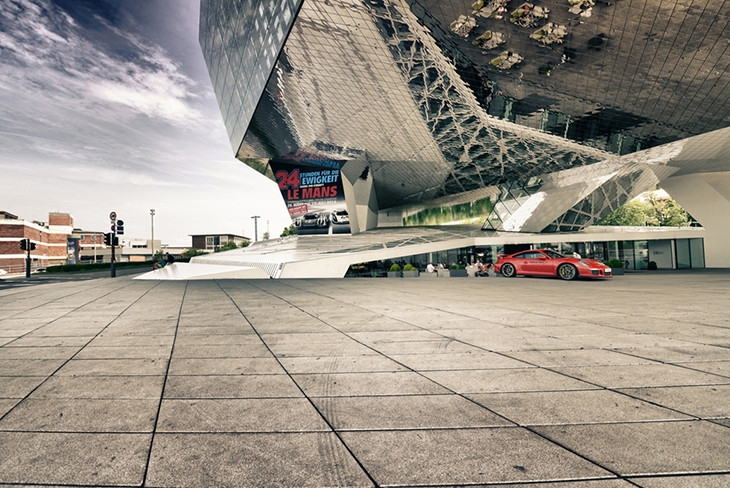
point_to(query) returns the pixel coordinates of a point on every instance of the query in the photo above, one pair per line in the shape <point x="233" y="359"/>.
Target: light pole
<point x="256" y="227"/>
<point x="152" y="217"/>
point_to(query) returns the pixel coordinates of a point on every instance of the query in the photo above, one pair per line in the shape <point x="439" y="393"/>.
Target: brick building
<point x="50" y="239"/>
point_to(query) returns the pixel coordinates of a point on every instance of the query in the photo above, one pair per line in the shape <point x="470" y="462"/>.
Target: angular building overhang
<point x="558" y="112"/>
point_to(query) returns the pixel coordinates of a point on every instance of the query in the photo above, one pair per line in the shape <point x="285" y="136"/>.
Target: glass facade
<point x="446" y="97"/>
<point x="241" y="40"/>
<point x="634" y="254"/>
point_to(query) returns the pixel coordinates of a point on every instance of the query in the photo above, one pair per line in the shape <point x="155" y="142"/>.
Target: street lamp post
<point x="152" y="216"/>
<point x="256" y="227"/>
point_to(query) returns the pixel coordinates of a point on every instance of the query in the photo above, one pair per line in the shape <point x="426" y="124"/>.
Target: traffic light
<point x="108" y="238"/>
<point x="24" y="244"/>
<point x="116" y="241"/>
<point x="120" y="227"/>
<point x="32" y="246"/>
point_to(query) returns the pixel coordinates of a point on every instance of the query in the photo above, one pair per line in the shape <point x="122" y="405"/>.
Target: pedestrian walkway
<point x="368" y="382"/>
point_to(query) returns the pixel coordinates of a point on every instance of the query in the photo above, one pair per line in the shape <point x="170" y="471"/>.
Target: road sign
<point x="113" y="216"/>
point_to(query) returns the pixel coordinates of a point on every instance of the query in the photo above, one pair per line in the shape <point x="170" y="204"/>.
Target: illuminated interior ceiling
<point x="445" y="97"/>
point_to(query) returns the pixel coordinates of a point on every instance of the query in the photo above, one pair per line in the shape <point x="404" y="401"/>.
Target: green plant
<point x="456" y="266"/>
<point x="409" y="267"/>
<point x="652" y="265"/>
<point x="187" y="254"/>
<point x="614" y="263"/>
<point x="395" y="267"/>
<point x="289" y="231"/>
<point x="229" y="246"/>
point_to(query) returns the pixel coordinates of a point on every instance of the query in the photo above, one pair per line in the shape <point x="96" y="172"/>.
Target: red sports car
<point x="544" y="262"/>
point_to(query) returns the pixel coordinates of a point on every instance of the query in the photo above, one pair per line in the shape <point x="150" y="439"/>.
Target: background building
<point x="50" y="238"/>
<point x="213" y="242"/>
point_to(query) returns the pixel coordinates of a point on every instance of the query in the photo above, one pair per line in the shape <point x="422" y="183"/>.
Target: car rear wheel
<point x="508" y="270"/>
<point x="567" y="272"/>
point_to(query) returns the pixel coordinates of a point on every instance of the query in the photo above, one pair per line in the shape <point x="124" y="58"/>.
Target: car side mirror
<point x="543" y="258"/>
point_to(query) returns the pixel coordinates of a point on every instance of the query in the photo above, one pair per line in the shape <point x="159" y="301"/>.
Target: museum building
<point x="399" y="128"/>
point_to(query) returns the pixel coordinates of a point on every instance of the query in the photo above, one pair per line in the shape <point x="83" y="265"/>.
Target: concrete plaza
<point x="368" y="382"/>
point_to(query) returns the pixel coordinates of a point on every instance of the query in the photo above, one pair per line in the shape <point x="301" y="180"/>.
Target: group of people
<point x="481" y="269"/>
<point x="164" y="260"/>
<point x="433" y="269"/>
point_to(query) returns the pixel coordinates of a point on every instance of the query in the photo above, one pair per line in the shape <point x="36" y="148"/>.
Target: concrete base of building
<point x="330" y="256"/>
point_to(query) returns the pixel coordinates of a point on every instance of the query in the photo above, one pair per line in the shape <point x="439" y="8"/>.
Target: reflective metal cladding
<point x="443" y="97"/>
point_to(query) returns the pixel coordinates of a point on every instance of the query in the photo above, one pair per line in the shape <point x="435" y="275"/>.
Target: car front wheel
<point x="508" y="270"/>
<point x="567" y="272"/>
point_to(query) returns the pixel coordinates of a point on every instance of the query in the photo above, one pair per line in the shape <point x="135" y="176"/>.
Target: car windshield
<point x="554" y="255"/>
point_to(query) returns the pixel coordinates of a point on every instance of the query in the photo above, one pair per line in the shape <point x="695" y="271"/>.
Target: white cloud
<point x="69" y="67"/>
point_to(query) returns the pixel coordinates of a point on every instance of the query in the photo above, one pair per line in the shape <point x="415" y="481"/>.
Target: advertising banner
<point x="72" y="250"/>
<point x="311" y="186"/>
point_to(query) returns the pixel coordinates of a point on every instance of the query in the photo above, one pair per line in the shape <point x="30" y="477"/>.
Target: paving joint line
<point x="324" y="418"/>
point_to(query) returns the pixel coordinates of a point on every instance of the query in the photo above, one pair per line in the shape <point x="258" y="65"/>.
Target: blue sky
<point x="107" y="105"/>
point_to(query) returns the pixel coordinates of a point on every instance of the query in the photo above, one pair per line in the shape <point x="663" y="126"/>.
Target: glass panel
<point x="641" y="254"/>
<point x="683" y="254"/>
<point x="697" y="252"/>
<point x="626" y="254"/>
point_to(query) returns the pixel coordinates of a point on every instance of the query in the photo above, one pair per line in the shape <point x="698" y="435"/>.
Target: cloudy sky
<point x="107" y="105"/>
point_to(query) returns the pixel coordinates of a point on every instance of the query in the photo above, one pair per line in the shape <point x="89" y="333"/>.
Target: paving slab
<point x="109" y="367"/>
<point x="448" y="361"/>
<point x="87" y="415"/>
<point x="691" y="481"/>
<point x="335" y="349"/>
<point x="653" y="447"/>
<point x="579" y="357"/>
<point x="243" y="386"/>
<point x="340" y="364"/>
<point x="19" y="386"/>
<point x="503" y="380"/>
<point x="627" y="376"/>
<point x="701" y="401"/>
<point x="208" y="366"/>
<point x="239" y="415"/>
<point x="101" y="387"/>
<point x="465" y="456"/>
<point x="572" y="407"/>
<point x="366" y="384"/>
<point x="72" y="458"/>
<point x="405" y="412"/>
<point x="30" y="367"/>
<point x="231" y="460"/>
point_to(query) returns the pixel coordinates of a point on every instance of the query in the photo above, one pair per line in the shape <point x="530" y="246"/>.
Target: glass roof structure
<point x="441" y="98"/>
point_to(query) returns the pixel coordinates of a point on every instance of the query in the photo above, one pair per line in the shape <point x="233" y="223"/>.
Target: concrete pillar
<point x="706" y="196"/>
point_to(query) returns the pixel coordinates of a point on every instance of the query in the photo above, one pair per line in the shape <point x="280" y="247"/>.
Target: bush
<point x="456" y="266"/>
<point x="395" y="267"/>
<point x="409" y="267"/>
<point x="192" y="252"/>
<point x="614" y="263"/>
<point x="652" y="265"/>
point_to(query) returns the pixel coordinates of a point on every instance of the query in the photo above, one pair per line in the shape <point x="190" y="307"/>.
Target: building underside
<point x="538" y="117"/>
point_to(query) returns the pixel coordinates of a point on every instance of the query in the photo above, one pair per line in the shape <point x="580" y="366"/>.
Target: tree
<point x="666" y="212"/>
<point x="289" y="231"/>
<point x="652" y="211"/>
<point x="266" y="236"/>
<point x="634" y="212"/>
<point x="229" y="246"/>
